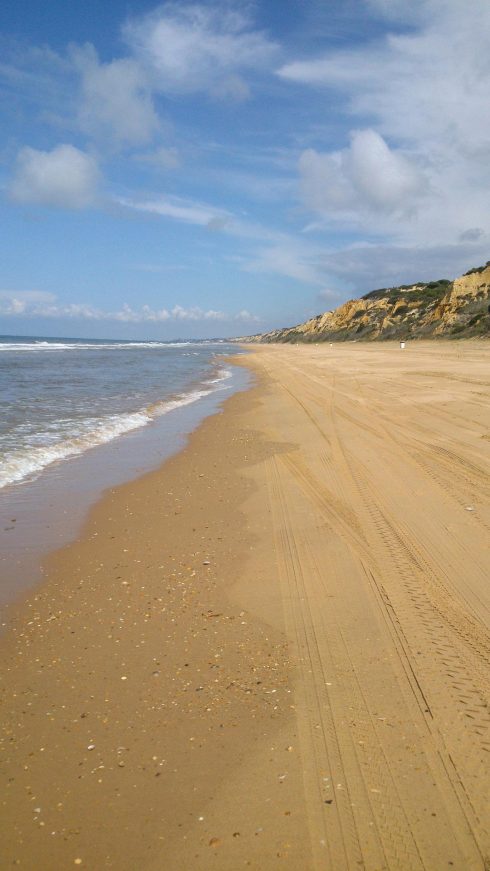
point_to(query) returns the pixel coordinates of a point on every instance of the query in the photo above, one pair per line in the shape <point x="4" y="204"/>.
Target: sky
<point x="221" y="168"/>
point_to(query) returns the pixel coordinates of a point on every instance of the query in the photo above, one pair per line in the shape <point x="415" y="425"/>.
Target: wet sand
<point x="273" y="651"/>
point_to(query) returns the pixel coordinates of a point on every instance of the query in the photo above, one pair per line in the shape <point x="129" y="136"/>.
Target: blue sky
<point x="220" y="168"/>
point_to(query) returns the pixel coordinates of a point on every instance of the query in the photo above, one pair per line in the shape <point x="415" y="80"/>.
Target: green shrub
<point x="478" y="269"/>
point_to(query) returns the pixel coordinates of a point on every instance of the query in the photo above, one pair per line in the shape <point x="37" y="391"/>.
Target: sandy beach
<point x="273" y="651"/>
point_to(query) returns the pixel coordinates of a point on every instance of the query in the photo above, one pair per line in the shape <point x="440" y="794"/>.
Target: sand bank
<point x="273" y="652"/>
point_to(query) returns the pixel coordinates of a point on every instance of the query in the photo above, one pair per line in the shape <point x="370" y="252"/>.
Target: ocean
<point x="62" y="397"/>
<point x="78" y="417"/>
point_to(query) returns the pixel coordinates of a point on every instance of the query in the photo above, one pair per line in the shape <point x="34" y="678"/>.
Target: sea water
<point x="62" y="397"/>
<point x="78" y="417"/>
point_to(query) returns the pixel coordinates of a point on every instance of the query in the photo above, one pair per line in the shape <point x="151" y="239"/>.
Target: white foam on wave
<point x="22" y="465"/>
<point x="81" y="346"/>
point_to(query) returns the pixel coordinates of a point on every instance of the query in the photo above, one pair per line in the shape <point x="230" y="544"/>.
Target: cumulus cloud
<point x="64" y="177"/>
<point x="367" y="173"/>
<point x="115" y="98"/>
<point x="198" y="48"/>
<point x="40" y="304"/>
<point x="382" y="176"/>
<point x="17" y="302"/>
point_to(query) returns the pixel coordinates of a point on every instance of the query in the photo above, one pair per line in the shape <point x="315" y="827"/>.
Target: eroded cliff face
<point x="456" y="309"/>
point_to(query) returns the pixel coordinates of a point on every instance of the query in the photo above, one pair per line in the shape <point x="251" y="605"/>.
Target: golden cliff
<point x="453" y="309"/>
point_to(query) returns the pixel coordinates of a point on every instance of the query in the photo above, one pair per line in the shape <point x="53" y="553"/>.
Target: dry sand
<point x="273" y="652"/>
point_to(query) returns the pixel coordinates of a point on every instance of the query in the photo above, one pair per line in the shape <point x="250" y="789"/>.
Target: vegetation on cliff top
<point x="442" y="308"/>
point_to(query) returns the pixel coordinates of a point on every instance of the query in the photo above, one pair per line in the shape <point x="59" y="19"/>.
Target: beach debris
<point x="91" y="747"/>
<point x="206" y="562"/>
<point x="469" y="508"/>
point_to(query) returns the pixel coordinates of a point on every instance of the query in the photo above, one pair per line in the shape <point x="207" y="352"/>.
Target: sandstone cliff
<point x="458" y="309"/>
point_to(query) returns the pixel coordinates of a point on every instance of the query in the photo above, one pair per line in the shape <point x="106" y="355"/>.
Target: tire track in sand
<point x="376" y="823"/>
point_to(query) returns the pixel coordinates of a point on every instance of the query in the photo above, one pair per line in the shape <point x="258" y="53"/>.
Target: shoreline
<point x="42" y="515"/>
<point x="241" y="660"/>
<point x="215" y="680"/>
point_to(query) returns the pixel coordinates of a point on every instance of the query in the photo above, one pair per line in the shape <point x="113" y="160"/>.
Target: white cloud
<point x="17" y="302"/>
<point x="367" y="174"/>
<point x="423" y="92"/>
<point x="44" y="305"/>
<point x="115" y="98"/>
<point x="382" y="176"/>
<point x="198" y="48"/>
<point x="128" y="315"/>
<point x="195" y="314"/>
<point x="180" y="209"/>
<point x="65" y="177"/>
<point x="30" y="296"/>
<point x="205" y="215"/>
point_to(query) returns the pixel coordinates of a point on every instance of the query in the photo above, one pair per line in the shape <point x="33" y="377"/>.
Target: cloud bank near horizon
<point x="41" y="304"/>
